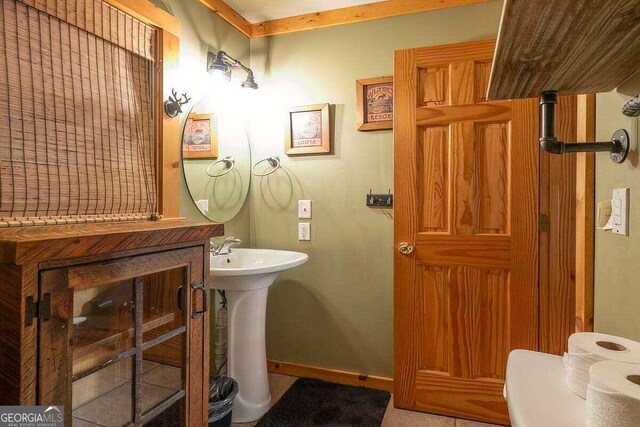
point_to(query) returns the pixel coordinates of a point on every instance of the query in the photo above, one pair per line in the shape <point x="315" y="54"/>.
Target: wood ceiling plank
<point x="574" y="47"/>
<point x="348" y="15"/>
<point x="227" y="13"/>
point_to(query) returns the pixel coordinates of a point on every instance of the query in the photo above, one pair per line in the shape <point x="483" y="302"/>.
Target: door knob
<point x="405" y="248"/>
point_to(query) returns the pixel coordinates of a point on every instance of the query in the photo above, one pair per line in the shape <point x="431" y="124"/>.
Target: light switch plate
<point x="304" y="231"/>
<point x="620" y="211"/>
<point x="304" y="209"/>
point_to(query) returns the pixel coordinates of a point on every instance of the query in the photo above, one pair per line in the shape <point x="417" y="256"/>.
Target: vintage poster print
<point x="379" y="98"/>
<point x="306" y="129"/>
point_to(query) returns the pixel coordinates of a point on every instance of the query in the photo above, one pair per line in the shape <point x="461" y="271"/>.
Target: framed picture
<point x="374" y="103"/>
<point x="308" y="130"/>
<point x="200" y="139"/>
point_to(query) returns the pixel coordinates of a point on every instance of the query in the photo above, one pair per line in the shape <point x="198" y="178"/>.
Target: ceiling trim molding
<point x="148" y="13"/>
<point x="329" y="18"/>
<point x="349" y="15"/>
<point x="227" y="13"/>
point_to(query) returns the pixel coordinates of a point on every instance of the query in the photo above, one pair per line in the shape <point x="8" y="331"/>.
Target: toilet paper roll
<point x="588" y="348"/>
<point x="613" y="395"/>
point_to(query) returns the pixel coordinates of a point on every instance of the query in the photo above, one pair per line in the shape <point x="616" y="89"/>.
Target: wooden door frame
<point x="585" y="221"/>
<point x="167" y="129"/>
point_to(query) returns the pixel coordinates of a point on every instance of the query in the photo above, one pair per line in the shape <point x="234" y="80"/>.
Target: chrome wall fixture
<point x="274" y="161"/>
<point x="618" y="147"/>
<point x="229" y="164"/>
<point x="221" y="63"/>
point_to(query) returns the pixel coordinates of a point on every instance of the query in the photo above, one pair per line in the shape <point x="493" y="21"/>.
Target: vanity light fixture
<point x="222" y="63"/>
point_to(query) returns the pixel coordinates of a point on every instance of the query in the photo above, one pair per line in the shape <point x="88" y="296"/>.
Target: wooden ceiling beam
<point x="329" y="18"/>
<point x="349" y="15"/>
<point x="227" y="13"/>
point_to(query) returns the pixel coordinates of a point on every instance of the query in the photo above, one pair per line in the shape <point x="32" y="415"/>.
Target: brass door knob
<point x="405" y="248"/>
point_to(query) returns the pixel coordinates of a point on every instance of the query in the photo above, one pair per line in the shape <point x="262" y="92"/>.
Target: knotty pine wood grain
<point x="22" y="245"/>
<point x="460" y="397"/>
<point x="433" y="173"/>
<point x="585" y="215"/>
<point x="485" y="262"/>
<point x="167" y="129"/>
<point x="227" y="13"/>
<point x="405" y="227"/>
<point x="557" y="244"/>
<point x="348" y="15"/>
<point x="523" y="309"/>
<point x="330" y="375"/>
<point x="494" y="112"/>
<point x="573" y="47"/>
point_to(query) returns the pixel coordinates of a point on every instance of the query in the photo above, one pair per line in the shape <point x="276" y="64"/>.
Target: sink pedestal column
<point x="247" y="358"/>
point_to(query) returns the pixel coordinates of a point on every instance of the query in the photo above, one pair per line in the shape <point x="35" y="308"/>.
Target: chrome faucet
<point x="227" y="244"/>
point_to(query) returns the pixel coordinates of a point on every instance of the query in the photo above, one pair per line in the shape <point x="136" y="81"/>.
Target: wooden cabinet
<point x="110" y="321"/>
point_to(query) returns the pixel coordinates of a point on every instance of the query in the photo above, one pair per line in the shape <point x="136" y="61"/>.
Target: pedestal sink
<point x="245" y="275"/>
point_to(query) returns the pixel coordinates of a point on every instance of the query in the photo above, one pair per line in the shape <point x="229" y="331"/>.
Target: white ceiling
<point x="266" y="10"/>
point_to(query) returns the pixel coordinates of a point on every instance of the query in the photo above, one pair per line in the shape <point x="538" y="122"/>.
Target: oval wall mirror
<point x="216" y="159"/>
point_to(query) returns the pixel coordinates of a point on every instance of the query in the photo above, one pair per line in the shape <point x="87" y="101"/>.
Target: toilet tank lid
<point x="536" y="392"/>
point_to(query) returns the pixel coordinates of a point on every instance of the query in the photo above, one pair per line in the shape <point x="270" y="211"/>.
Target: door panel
<point x="466" y="198"/>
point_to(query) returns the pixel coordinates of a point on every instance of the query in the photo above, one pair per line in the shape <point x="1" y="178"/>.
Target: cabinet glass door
<point x="128" y="345"/>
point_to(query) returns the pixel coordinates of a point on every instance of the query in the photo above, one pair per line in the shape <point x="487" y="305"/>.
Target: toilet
<point x="536" y="393"/>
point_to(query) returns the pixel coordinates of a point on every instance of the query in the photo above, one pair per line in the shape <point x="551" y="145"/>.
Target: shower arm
<point x="618" y="147"/>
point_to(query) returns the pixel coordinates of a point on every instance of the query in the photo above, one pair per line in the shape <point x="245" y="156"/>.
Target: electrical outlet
<point x="203" y="206"/>
<point x="620" y="211"/>
<point x="304" y="231"/>
<point x="304" y="209"/>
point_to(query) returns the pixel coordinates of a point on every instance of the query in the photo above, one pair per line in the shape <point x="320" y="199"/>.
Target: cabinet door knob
<point x="405" y="248"/>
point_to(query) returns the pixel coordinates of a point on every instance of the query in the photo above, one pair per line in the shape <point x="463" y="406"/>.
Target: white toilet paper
<point x="613" y="395"/>
<point x="587" y="348"/>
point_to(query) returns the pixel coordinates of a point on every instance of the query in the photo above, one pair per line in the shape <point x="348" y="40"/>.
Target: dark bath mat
<point x="312" y="402"/>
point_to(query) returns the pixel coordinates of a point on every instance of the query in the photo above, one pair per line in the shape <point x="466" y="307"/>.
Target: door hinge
<point x="40" y="309"/>
<point x="543" y="223"/>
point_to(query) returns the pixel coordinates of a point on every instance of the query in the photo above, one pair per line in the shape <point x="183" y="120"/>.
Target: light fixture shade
<point x="249" y="82"/>
<point x="216" y="63"/>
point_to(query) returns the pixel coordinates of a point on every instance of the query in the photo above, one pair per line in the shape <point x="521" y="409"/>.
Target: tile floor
<point x="103" y="399"/>
<point x="392" y="418"/>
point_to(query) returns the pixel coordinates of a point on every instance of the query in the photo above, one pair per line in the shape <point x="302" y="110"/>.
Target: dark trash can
<point x="222" y="391"/>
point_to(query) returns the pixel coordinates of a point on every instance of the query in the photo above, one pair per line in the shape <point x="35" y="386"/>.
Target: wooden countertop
<point x="21" y="245"/>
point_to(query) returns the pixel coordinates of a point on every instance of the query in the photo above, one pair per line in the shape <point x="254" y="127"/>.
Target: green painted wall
<point x="337" y="310"/>
<point x="201" y="31"/>
<point x="617" y="286"/>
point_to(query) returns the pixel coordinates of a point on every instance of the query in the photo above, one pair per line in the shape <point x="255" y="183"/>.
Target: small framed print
<point x="374" y="103"/>
<point x="308" y="130"/>
<point x="200" y="139"/>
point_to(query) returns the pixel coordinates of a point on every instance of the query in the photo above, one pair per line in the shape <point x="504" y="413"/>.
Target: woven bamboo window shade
<point x="77" y="137"/>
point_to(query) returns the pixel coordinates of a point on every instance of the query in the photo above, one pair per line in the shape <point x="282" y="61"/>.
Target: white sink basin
<point x="245" y="275"/>
<point x="251" y="269"/>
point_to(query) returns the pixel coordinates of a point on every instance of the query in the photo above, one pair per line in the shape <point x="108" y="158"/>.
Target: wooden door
<point x="466" y="185"/>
